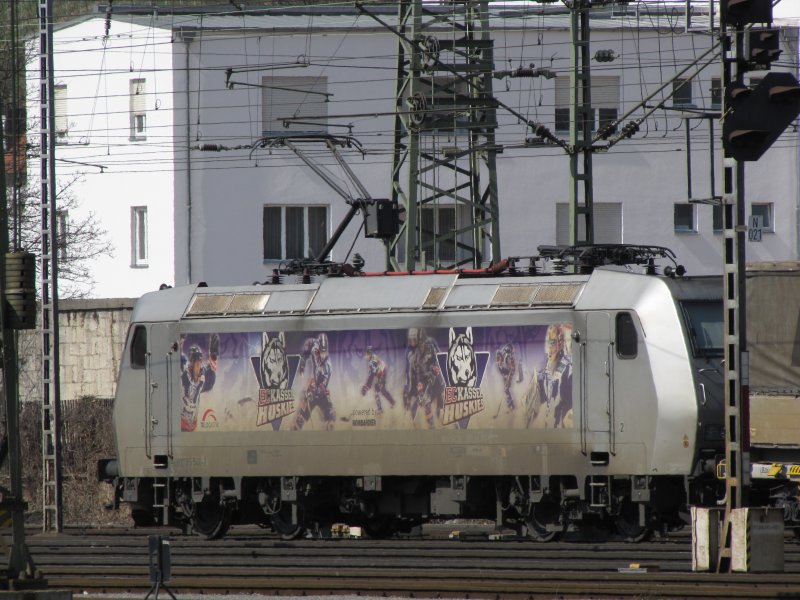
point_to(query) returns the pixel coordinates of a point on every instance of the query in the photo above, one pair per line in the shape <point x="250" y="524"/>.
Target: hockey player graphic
<point x="549" y="396"/>
<point x="424" y="380"/>
<point x="196" y="377"/>
<point x="316" y="394"/>
<point x="506" y="361"/>
<point x="376" y="379"/>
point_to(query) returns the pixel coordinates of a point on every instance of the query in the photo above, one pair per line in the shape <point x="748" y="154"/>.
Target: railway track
<point x="250" y="562"/>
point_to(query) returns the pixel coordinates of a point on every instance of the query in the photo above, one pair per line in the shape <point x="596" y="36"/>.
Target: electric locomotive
<point x="545" y="400"/>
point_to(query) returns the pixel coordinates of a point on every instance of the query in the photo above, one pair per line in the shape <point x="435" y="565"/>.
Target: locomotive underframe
<point x="543" y="507"/>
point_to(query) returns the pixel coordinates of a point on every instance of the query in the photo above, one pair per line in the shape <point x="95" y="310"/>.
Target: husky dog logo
<point x="275" y="372"/>
<point x="462" y="367"/>
<point x="274" y="367"/>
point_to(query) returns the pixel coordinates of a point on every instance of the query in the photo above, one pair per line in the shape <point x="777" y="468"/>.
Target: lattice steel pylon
<point x="444" y="174"/>
<point x="51" y="417"/>
<point x="736" y="363"/>
<point x="581" y="191"/>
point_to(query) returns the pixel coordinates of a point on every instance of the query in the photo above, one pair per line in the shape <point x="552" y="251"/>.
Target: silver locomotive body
<point x="546" y="403"/>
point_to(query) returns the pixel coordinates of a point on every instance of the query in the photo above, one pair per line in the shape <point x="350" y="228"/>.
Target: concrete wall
<point x="92" y="337"/>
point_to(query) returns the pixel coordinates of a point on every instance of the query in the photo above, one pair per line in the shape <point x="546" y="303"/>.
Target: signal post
<point x="17" y="311"/>
<point x="753" y="118"/>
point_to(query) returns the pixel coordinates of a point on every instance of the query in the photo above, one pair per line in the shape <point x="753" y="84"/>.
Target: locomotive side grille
<point x="564" y="293"/>
<point x="209" y="304"/>
<point x="434" y="297"/>
<point x="248" y="304"/>
<point x="514" y="295"/>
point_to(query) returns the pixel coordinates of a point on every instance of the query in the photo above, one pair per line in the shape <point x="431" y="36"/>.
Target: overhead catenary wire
<point x="346" y="62"/>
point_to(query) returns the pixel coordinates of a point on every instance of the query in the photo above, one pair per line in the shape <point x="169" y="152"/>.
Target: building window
<point x="684" y="218"/>
<point x="716" y="92"/>
<point x="682" y="92"/>
<point x="435" y="223"/>
<point x="605" y="97"/>
<point x="442" y="93"/>
<point x="446" y="236"/>
<point x="61" y="233"/>
<point x="763" y="210"/>
<point x="138" y="236"/>
<point x="294" y="231"/>
<point x="605" y="102"/>
<point x="562" y="104"/>
<point x="607" y="223"/>
<point x="304" y="99"/>
<point x="717" y="218"/>
<point x="138" y="112"/>
<point x="60" y="113"/>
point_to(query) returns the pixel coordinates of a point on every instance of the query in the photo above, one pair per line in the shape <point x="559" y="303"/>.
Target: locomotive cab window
<point x="704" y="322"/>
<point x="627" y="340"/>
<point x="139" y="347"/>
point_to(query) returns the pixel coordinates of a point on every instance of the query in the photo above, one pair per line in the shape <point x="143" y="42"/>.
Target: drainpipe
<point x="793" y="37"/>
<point x="188" y="37"/>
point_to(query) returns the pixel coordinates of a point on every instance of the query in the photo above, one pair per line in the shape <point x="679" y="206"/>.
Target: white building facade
<point x="159" y="116"/>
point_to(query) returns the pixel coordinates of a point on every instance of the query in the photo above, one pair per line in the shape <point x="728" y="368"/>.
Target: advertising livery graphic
<point x="516" y="377"/>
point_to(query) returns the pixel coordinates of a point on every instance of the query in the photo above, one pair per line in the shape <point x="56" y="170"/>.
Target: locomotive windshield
<point x="704" y="322"/>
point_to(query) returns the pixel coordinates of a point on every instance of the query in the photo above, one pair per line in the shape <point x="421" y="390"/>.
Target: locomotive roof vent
<point x="248" y="304"/>
<point x="434" y="297"/>
<point x="536" y="295"/>
<point x="514" y="295"/>
<point x="208" y="305"/>
<point x="561" y="293"/>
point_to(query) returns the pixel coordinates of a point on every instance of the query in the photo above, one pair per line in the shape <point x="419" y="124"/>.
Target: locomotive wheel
<point x="544" y="513"/>
<point x="210" y="519"/>
<point x="380" y="528"/>
<point x="142" y="518"/>
<point x="283" y="526"/>
<point x="627" y="522"/>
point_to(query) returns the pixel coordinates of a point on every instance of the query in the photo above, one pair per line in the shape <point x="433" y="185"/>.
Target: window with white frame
<point x="138" y="110"/>
<point x="60" y="114"/>
<point x="717" y="218"/>
<point x="303" y="100"/>
<point x="684" y="220"/>
<point x="294" y="231"/>
<point x="138" y="236"/>
<point x="438" y="231"/>
<point x="682" y="92"/>
<point x="441" y="93"/>
<point x="605" y="98"/>
<point x="446" y="235"/>
<point x="607" y="223"/>
<point x="605" y="101"/>
<point x="716" y="92"/>
<point x="764" y="210"/>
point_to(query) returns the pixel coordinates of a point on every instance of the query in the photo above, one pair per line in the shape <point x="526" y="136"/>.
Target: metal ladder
<point x="599" y="487"/>
<point x="161" y="499"/>
<point x="52" y="519"/>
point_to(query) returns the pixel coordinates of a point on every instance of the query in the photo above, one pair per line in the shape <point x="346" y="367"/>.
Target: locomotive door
<point x="598" y="382"/>
<point x="160" y="385"/>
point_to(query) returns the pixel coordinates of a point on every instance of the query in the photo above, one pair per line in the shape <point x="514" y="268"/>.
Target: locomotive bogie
<point x="291" y="406"/>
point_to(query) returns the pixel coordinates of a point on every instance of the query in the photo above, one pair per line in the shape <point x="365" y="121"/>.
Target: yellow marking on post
<point x="775" y="470"/>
